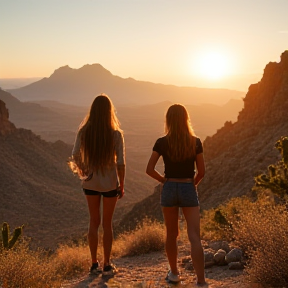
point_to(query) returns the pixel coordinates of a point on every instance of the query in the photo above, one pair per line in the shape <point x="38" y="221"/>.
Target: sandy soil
<point x="150" y="270"/>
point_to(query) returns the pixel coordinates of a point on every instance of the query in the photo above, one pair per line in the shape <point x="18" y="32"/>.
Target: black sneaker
<point x="95" y="269"/>
<point x="109" y="269"/>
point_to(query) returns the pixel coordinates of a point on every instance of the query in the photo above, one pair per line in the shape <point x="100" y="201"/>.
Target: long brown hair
<point x="97" y="136"/>
<point x="179" y="132"/>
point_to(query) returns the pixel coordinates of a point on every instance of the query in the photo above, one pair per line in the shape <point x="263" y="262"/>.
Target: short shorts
<point x="179" y="194"/>
<point x="112" y="193"/>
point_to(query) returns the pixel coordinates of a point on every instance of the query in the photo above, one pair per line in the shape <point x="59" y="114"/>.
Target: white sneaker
<point x="175" y="278"/>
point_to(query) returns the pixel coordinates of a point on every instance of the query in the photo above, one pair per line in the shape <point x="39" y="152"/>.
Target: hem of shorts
<point x="179" y="206"/>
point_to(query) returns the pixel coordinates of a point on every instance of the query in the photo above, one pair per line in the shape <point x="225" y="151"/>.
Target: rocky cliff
<point x="6" y="127"/>
<point x="241" y="150"/>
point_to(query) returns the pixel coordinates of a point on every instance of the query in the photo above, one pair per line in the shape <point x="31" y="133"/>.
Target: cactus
<point x="277" y="178"/>
<point x="8" y="241"/>
<point x="282" y="146"/>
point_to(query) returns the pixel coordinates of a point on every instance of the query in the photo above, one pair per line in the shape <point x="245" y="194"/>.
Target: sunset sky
<point x="215" y="44"/>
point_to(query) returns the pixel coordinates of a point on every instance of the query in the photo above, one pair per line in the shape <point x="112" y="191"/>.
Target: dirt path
<point x="149" y="271"/>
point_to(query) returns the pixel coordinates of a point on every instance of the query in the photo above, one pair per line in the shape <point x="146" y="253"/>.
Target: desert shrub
<point x="21" y="267"/>
<point x="218" y="223"/>
<point x="70" y="261"/>
<point x="147" y="237"/>
<point x="263" y="234"/>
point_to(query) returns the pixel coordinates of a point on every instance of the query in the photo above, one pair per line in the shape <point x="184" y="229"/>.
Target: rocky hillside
<point x="80" y="86"/>
<point x="241" y="150"/>
<point x="36" y="187"/>
<point x="41" y="120"/>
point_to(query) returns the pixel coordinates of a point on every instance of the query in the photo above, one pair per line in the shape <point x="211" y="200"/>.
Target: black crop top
<point x="184" y="169"/>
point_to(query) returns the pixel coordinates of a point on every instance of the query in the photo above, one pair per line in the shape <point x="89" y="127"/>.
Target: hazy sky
<point x="162" y="41"/>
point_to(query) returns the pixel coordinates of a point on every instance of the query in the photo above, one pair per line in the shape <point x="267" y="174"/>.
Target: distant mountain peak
<point x="91" y="69"/>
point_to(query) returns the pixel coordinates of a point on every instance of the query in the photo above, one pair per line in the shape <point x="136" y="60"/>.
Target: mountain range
<point x="80" y="86"/>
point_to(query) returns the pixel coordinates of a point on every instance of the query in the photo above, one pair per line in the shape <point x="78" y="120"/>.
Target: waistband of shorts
<point x="181" y="180"/>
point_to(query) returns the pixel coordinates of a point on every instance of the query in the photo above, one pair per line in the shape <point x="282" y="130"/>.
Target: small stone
<point x="219" y="257"/>
<point x="235" y="255"/>
<point x="186" y="259"/>
<point x="209" y="258"/>
<point x="216" y="245"/>
<point x="235" y="266"/>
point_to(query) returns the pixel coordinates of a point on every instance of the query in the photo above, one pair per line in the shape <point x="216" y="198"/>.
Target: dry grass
<point x="21" y="267"/>
<point x="260" y="228"/>
<point x="232" y="212"/>
<point x="147" y="237"/>
<point x="69" y="261"/>
<point x="263" y="234"/>
<point x="25" y="268"/>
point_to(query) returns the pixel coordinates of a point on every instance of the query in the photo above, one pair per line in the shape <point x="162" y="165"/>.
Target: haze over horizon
<point x="208" y="44"/>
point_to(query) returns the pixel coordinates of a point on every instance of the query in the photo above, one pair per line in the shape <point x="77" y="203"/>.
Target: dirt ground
<point x="150" y="270"/>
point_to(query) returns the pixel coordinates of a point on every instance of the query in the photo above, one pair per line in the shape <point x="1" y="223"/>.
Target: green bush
<point x="276" y="179"/>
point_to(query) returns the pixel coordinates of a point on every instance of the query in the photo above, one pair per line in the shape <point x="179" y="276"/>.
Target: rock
<point x="235" y="266"/>
<point x="216" y="245"/>
<point x="186" y="259"/>
<point x="235" y="255"/>
<point x="6" y="127"/>
<point x="209" y="258"/>
<point x="219" y="257"/>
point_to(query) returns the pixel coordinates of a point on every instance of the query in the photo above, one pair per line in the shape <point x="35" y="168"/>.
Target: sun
<point x="212" y="65"/>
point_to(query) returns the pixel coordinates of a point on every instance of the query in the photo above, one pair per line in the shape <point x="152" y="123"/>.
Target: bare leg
<point x="109" y="204"/>
<point x="172" y="231"/>
<point x="192" y="216"/>
<point x="95" y="219"/>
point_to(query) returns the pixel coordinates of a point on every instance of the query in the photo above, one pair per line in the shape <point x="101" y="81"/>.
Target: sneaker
<point x="174" y="278"/>
<point x="201" y="284"/>
<point x="95" y="269"/>
<point x="109" y="269"/>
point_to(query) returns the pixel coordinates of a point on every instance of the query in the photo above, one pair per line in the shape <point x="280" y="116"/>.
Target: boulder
<point x="235" y="266"/>
<point x="235" y="255"/>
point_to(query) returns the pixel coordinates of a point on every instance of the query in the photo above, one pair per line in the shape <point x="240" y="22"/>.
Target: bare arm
<point x="121" y="176"/>
<point x="200" y="164"/>
<point x="151" y="171"/>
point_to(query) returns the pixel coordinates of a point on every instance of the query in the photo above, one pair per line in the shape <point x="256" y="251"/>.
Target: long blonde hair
<point x="180" y="134"/>
<point x="97" y="137"/>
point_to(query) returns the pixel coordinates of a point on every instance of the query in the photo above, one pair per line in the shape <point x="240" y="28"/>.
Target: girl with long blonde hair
<point x="98" y="157"/>
<point x="182" y="152"/>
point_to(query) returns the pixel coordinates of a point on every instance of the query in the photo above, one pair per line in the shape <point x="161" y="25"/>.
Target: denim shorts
<point x="179" y="194"/>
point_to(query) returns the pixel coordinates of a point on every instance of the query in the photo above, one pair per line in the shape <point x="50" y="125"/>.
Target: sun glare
<point x="213" y="65"/>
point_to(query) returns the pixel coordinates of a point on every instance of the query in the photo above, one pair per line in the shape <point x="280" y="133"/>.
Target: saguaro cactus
<point x="282" y="146"/>
<point x="8" y="240"/>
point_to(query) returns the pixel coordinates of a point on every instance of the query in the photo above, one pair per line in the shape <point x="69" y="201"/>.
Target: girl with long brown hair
<point x="98" y="157"/>
<point x="182" y="152"/>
